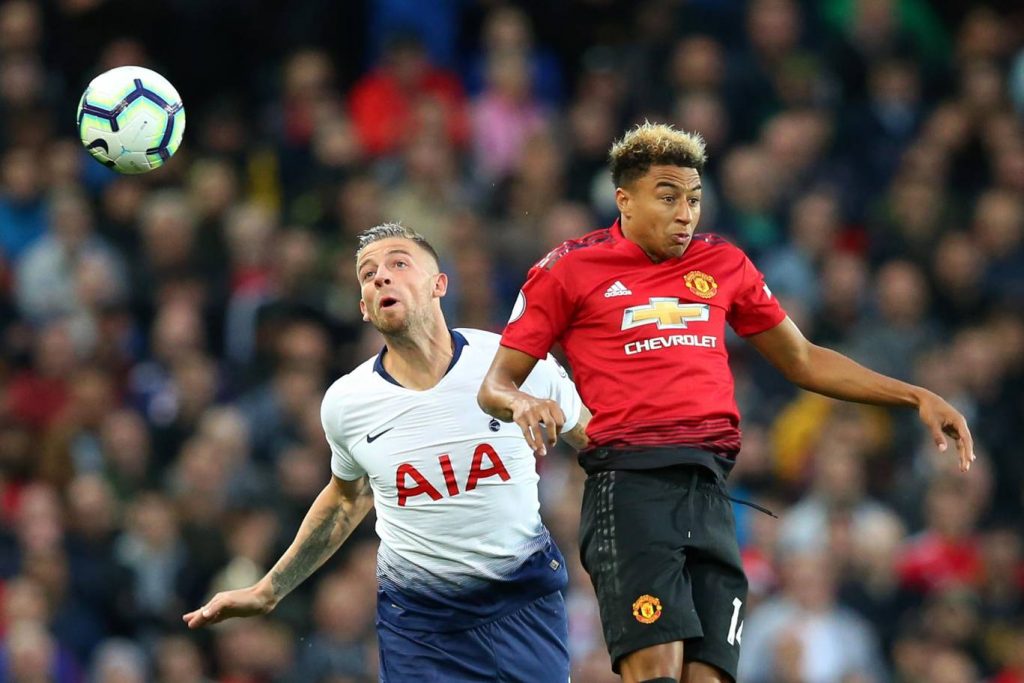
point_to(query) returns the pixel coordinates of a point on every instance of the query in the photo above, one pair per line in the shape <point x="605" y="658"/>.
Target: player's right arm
<point x="339" y="509"/>
<point x="541" y="312"/>
<point x="501" y="398"/>
<point x="527" y="381"/>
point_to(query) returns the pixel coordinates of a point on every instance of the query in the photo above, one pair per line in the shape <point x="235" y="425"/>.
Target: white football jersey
<point x="455" y="491"/>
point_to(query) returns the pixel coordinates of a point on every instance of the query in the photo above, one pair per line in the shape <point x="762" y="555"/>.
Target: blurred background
<point x="165" y="339"/>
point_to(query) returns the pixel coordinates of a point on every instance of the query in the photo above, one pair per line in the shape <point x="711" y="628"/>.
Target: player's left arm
<point x="577" y="436"/>
<point x="830" y="373"/>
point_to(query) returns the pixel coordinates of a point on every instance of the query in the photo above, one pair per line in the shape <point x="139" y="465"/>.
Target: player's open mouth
<point x="388" y="302"/>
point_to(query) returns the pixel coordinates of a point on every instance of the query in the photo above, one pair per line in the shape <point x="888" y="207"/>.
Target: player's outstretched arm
<point x="830" y="373"/>
<point x="500" y="397"/>
<point x="331" y="518"/>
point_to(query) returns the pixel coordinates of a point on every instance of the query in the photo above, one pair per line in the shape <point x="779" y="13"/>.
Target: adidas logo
<point x="617" y="289"/>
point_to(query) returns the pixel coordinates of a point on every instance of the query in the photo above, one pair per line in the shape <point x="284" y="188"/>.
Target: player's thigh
<point x="719" y="590"/>
<point x="424" y="657"/>
<point x="699" y="672"/>
<point x="531" y="645"/>
<point x="634" y="552"/>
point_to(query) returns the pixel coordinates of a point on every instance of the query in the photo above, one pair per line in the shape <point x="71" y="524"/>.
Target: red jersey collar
<point x="617" y="231"/>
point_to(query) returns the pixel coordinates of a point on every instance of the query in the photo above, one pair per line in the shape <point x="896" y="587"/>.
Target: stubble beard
<point x="403" y="328"/>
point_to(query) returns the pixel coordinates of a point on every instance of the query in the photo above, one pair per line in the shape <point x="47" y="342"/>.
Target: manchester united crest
<point x="647" y="609"/>
<point x="701" y="284"/>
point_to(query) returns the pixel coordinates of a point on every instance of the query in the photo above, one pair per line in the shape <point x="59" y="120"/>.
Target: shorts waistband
<point x="691" y="463"/>
<point x="605" y="458"/>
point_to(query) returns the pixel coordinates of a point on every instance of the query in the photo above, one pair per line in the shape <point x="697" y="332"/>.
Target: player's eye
<point x="669" y="199"/>
<point x="367" y="274"/>
<point x="694" y="201"/>
<point x="400" y="264"/>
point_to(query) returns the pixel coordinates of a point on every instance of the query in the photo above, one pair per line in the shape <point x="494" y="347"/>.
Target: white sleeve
<point x="550" y="380"/>
<point x="343" y="465"/>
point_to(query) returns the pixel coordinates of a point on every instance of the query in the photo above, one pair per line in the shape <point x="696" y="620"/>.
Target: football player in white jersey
<point x="469" y="578"/>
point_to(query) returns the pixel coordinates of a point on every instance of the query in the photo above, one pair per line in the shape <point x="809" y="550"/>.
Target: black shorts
<point x="660" y="547"/>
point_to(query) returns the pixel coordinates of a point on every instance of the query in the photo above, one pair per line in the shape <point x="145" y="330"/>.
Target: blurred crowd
<point x="165" y="340"/>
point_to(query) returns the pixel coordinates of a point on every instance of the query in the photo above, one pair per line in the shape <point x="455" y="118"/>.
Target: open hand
<point x="244" y="602"/>
<point x="944" y="420"/>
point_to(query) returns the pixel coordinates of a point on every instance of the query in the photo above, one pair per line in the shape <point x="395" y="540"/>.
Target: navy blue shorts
<point x="529" y="645"/>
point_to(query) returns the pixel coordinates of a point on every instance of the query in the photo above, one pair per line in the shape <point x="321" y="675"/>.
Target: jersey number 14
<point x="410" y="482"/>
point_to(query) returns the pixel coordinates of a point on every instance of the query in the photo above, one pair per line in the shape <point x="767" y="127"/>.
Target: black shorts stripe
<point x="609" y="547"/>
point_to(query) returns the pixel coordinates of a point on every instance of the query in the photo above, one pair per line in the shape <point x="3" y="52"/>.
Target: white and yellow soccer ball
<point x="131" y="119"/>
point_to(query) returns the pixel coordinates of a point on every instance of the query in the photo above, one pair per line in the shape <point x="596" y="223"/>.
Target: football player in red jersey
<point x="640" y="310"/>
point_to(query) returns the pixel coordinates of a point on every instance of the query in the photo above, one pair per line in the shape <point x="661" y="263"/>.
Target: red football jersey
<point x="646" y="341"/>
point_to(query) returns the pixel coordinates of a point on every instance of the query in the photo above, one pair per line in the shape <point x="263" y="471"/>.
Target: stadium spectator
<point x="387" y="104"/>
<point x="804" y="634"/>
<point x="504" y="115"/>
<point x="22" y="208"/>
<point x="837" y="489"/>
<point x="507" y="30"/>
<point x="178" y="660"/>
<point x="946" y="552"/>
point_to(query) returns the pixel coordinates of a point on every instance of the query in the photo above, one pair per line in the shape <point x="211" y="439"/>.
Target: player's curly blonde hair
<point x="654" y="144"/>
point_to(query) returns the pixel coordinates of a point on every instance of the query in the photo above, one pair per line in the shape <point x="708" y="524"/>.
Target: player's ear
<point x="623" y="201"/>
<point x="362" y="309"/>
<point x="440" y="285"/>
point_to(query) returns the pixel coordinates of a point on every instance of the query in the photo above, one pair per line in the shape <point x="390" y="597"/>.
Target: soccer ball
<point x="131" y="119"/>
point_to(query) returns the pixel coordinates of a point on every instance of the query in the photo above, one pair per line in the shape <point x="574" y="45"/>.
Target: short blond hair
<point x="654" y="144"/>
<point x="395" y="229"/>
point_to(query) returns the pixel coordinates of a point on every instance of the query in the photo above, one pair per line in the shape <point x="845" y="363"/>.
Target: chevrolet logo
<point x="666" y="312"/>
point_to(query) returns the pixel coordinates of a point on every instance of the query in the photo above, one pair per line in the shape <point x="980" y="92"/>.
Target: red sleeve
<point x="540" y="316"/>
<point x="754" y="309"/>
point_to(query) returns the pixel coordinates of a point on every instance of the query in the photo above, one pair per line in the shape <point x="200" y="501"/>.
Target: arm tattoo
<point x="310" y="554"/>
<point x="576" y="437"/>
